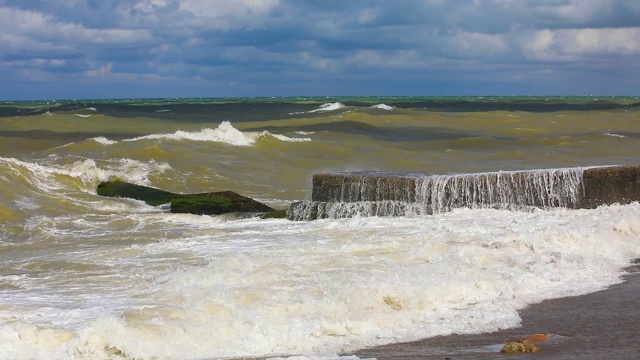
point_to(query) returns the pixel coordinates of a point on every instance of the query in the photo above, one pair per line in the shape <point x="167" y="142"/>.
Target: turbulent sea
<point x="88" y="277"/>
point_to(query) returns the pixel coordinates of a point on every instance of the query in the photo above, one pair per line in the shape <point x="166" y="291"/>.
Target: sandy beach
<point x="601" y="325"/>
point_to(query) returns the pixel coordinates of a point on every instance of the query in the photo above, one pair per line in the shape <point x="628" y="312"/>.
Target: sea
<point x="89" y="277"/>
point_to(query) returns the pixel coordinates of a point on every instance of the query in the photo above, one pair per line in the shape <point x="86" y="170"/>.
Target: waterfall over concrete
<point x="502" y="190"/>
<point x="398" y="194"/>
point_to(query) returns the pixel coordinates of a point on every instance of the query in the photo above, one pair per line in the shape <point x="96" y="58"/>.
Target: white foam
<point x="365" y="280"/>
<point x="43" y="177"/>
<point x="614" y="135"/>
<point x="289" y="139"/>
<point x="178" y="286"/>
<point x="82" y="115"/>
<point x="383" y="107"/>
<point x="274" y="288"/>
<point x="224" y="133"/>
<point x="328" y="107"/>
<point x="103" y="140"/>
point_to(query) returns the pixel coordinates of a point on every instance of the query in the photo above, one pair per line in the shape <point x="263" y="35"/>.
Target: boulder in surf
<point x="213" y="203"/>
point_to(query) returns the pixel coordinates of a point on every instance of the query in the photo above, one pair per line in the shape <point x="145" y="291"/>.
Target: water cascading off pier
<point x="341" y="195"/>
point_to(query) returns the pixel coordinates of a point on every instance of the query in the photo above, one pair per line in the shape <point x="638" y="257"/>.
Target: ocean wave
<point x="614" y="135"/>
<point x="383" y="107"/>
<point x="50" y="177"/>
<point x="288" y="139"/>
<point x="103" y="140"/>
<point x="83" y="115"/>
<point x="328" y="107"/>
<point x="224" y="133"/>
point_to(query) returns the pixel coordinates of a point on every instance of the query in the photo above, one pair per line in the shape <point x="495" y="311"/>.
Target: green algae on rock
<point x="216" y="203"/>
<point x="151" y="196"/>
<point x="213" y="203"/>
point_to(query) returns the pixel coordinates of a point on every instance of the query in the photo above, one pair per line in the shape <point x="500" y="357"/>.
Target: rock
<point x="214" y="203"/>
<point x="393" y="303"/>
<point x="276" y="214"/>
<point x="515" y="347"/>
<point x="151" y="196"/>
<point x="524" y="345"/>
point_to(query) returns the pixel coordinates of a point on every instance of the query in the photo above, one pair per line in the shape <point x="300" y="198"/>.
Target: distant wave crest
<point x="614" y="135"/>
<point x="224" y="133"/>
<point x="103" y="140"/>
<point x="383" y="107"/>
<point x="328" y="107"/>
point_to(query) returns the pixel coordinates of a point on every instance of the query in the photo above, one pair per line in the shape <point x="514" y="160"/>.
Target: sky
<point x="89" y="49"/>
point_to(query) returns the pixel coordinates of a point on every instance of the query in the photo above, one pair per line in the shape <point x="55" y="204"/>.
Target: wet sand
<point x="601" y="325"/>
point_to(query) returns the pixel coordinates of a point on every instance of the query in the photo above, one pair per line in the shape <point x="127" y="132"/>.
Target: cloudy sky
<point x="71" y="49"/>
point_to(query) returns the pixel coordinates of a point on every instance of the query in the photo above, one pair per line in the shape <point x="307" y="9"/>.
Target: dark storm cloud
<point x="310" y="47"/>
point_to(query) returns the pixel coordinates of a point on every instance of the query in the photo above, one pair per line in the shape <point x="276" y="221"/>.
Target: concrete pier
<point x="396" y="194"/>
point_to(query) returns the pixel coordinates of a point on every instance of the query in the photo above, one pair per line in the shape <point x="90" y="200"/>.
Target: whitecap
<point x="224" y="133"/>
<point x="82" y="115"/>
<point x="43" y="176"/>
<point x="288" y="139"/>
<point x="614" y="135"/>
<point x="103" y="140"/>
<point x="328" y="107"/>
<point x="129" y="170"/>
<point x="382" y="107"/>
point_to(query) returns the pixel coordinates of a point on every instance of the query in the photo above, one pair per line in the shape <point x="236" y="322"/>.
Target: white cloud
<point x="280" y="40"/>
<point x="100" y="72"/>
<point x="149" y="6"/>
<point x="20" y="44"/>
<point x="582" y="10"/>
<point x="368" y="15"/>
<point x="35" y="63"/>
<point x="539" y="45"/>
<point x="48" y="62"/>
<point x="574" y="44"/>
<point x="475" y="45"/>
<point x="44" y="28"/>
<point x="625" y="41"/>
<point x="229" y="14"/>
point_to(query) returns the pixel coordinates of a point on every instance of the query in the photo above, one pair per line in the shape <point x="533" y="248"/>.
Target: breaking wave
<point x="382" y="107"/>
<point x="328" y="107"/>
<point x="103" y="140"/>
<point x="47" y="177"/>
<point x="224" y="133"/>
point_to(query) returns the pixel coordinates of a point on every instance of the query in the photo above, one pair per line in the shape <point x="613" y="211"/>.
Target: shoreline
<point x="600" y="325"/>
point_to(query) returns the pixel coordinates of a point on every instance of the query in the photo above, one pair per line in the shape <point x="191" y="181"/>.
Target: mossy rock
<point x="276" y="214"/>
<point x="151" y="196"/>
<point x="516" y="347"/>
<point x="214" y="203"/>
